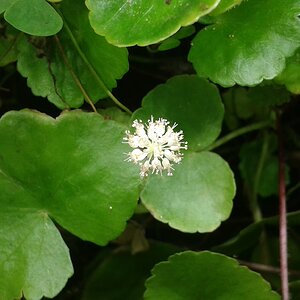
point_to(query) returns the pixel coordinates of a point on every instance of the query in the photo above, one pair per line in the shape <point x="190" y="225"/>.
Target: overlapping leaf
<point x="35" y="17"/>
<point x="127" y="23"/>
<point x="199" y="194"/>
<point x="71" y="170"/>
<point x="56" y="69"/>
<point x="236" y="50"/>
<point x="290" y="76"/>
<point x="205" y="275"/>
<point x="225" y="5"/>
<point x="193" y="103"/>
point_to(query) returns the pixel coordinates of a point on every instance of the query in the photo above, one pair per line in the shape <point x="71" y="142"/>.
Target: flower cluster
<point x="156" y="146"/>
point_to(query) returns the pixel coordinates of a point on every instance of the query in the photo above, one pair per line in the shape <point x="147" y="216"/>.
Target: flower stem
<point x="234" y="134"/>
<point x="91" y="68"/>
<point x="283" y="248"/>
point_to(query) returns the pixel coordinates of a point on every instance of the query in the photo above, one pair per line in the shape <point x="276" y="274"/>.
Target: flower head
<point x="156" y="146"/>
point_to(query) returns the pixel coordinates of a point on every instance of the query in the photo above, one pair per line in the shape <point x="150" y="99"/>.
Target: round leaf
<point x="127" y="23"/>
<point x="236" y="50"/>
<point x="205" y="275"/>
<point x="190" y="101"/>
<point x="34" y="260"/>
<point x="196" y="198"/>
<point x="72" y="167"/>
<point x="35" y="17"/>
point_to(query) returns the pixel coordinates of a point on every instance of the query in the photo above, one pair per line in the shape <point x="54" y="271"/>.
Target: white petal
<point x="137" y="155"/>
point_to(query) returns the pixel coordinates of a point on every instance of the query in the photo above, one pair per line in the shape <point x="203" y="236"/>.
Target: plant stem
<point x="234" y="134"/>
<point x="283" y="248"/>
<point x="256" y="212"/>
<point x="77" y="81"/>
<point x="91" y="68"/>
<point x="293" y="189"/>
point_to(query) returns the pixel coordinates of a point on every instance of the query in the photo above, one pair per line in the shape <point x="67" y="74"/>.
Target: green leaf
<point x="190" y="101"/>
<point x="196" y="198"/>
<point x="133" y="270"/>
<point x="250" y="235"/>
<point x="247" y="238"/>
<point x="35" y="17"/>
<point x="8" y="46"/>
<point x="290" y="76"/>
<point x="34" y="64"/>
<point x="56" y="70"/>
<point x="71" y="168"/>
<point x="236" y="50"/>
<point x="249" y="159"/>
<point x="205" y="275"/>
<point x="4" y="4"/>
<point x="127" y="23"/>
<point x="34" y="260"/>
<point x="168" y="44"/>
<point x="114" y="113"/>
<point x="268" y="95"/>
<point x="184" y="32"/>
<point x="199" y="195"/>
<point x="225" y="5"/>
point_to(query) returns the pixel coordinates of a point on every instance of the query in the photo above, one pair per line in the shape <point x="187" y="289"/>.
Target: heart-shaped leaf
<point x="35" y="17"/>
<point x="73" y="169"/>
<point x="236" y="50"/>
<point x="127" y="23"/>
<point x="205" y="275"/>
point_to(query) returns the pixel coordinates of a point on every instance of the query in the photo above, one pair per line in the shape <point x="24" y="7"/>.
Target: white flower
<point x="156" y="146"/>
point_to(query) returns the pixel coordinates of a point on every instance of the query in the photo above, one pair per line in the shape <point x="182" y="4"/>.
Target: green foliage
<point x="235" y="50"/>
<point x="290" y="75"/>
<point x="210" y="270"/>
<point x="130" y="282"/>
<point x="75" y="137"/>
<point x="36" y="17"/>
<point x="196" y="198"/>
<point x="32" y="250"/>
<point x="183" y="99"/>
<point x="127" y="23"/>
<point x="67" y="190"/>
<point x="77" y="63"/>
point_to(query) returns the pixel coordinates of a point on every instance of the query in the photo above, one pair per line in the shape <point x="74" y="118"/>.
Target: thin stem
<point x="293" y="189"/>
<point x="234" y="134"/>
<point x="91" y="68"/>
<point x="266" y="268"/>
<point x="283" y="247"/>
<point x="77" y="81"/>
<point x="257" y="216"/>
